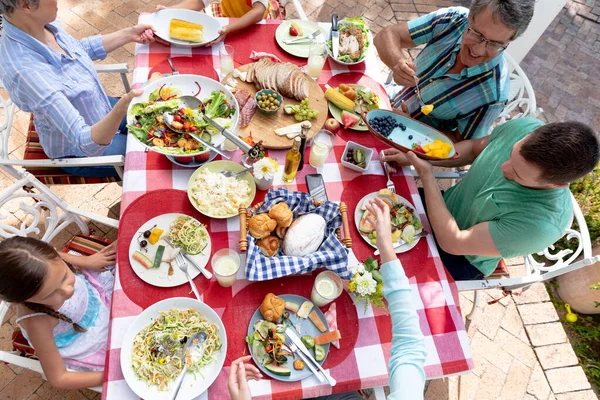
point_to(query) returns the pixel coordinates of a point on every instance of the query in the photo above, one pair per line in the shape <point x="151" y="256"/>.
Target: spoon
<point x="169" y="119"/>
<point x="230" y="174"/>
<point x="195" y="345"/>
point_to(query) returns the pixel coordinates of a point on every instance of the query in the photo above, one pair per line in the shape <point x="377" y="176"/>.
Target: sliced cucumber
<point x="319" y="352"/>
<point x="308" y="341"/>
<point x="278" y="369"/>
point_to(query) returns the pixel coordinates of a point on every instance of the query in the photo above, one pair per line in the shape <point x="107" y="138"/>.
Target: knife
<point x="335" y="36"/>
<point x="228" y="134"/>
<point x="296" y="339"/>
<point x="204" y="271"/>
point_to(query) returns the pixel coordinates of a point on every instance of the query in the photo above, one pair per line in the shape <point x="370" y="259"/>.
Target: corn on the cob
<point x="185" y="30"/>
<point x="339" y="100"/>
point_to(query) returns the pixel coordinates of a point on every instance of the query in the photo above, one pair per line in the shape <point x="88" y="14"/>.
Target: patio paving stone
<point x="537" y="313"/>
<point x="567" y="379"/>
<point x="546" y="334"/>
<point x="557" y="355"/>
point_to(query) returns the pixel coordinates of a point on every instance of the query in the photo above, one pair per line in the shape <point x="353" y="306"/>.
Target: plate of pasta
<point x="152" y="352"/>
<point x="218" y="196"/>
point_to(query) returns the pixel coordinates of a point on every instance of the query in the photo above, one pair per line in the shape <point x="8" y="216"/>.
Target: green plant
<point x="596" y="287"/>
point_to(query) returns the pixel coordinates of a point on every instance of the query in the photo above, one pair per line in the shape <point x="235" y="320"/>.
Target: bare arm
<point x="391" y="44"/>
<point x="140" y="33"/>
<point x="468" y="151"/>
<point x="40" y="334"/>
<point x="248" y="19"/>
<point x="195" y="5"/>
<point x="97" y="262"/>
<point x="104" y="130"/>
<point x="475" y="240"/>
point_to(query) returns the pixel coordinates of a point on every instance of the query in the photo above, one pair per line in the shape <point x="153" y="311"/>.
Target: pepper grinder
<point x="304" y="128"/>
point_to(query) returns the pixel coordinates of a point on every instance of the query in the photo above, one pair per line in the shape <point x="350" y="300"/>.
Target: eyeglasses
<point x="490" y="46"/>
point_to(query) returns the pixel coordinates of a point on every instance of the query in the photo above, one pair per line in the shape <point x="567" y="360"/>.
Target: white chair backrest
<point x="47" y="207"/>
<point x="521" y="97"/>
<point x="7" y="113"/>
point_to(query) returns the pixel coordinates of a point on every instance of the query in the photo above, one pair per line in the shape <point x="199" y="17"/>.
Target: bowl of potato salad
<point x="218" y="196"/>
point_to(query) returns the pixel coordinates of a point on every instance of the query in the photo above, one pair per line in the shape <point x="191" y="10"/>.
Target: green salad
<point x="354" y="40"/>
<point x="150" y="128"/>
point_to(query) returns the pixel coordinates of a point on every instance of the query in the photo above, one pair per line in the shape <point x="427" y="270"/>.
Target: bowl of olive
<point x="268" y="101"/>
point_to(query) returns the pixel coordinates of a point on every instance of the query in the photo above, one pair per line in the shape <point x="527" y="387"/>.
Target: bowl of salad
<point x="145" y="116"/>
<point x="355" y="39"/>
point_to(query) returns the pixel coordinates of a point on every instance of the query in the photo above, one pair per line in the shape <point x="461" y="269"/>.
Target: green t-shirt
<point x="522" y="220"/>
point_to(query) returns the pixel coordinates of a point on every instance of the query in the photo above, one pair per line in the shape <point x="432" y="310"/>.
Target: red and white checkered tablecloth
<point x="435" y="296"/>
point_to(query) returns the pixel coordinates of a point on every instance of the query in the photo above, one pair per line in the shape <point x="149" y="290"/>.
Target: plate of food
<point x="184" y="27"/>
<point x="297" y="29"/>
<point x="156" y="243"/>
<point x="406" y="224"/>
<point x="406" y="134"/>
<point x="152" y="354"/>
<point x="355" y="39"/>
<point x="146" y="123"/>
<point x="267" y="339"/>
<point x="218" y="196"/>
<point x="347" y="102"/>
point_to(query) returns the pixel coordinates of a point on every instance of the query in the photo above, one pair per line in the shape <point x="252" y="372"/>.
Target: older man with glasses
<point x="461" y="71"/>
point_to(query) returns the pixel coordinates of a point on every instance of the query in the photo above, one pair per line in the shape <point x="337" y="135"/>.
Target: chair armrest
<point x="299" y="9"/>
<point x="107" y="68"/>
<point x="69" y="162"/>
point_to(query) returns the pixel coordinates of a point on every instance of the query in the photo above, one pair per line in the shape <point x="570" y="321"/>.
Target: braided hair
<point x="23" y="269"/>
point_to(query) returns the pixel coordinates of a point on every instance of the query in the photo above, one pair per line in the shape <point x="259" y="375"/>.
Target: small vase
<point x="263" y="184"/>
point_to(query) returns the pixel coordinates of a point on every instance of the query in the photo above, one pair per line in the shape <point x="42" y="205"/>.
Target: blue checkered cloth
<point x="332" y="254"/>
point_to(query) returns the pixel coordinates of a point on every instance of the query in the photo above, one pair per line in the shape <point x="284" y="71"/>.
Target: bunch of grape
<point x="304" y="112"/>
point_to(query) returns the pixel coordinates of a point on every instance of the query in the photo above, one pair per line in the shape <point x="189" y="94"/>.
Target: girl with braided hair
<point x="62" y="312"/>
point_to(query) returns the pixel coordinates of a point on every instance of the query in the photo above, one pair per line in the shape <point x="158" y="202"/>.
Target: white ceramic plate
<point x="188" y="87"/>
<point x="161" y="21"/>
<point x="358" y="215"/>
<point x="301" y="49"/>
<point x="191" y="386"/>
<point x="160" y="276"/>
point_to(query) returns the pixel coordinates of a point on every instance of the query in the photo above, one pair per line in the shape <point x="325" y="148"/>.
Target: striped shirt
<point x="469" y="101"/>
<point x="62" y="91"/>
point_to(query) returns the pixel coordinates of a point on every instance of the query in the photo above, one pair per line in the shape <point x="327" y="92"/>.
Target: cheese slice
<point x="295" y="128"/>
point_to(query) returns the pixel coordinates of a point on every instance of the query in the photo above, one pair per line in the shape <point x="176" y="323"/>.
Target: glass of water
<point x="226" y="59"/>
<point x="317" y="55"/>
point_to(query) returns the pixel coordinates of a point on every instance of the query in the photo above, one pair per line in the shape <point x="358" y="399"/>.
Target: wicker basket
<point x="247" y="213"/>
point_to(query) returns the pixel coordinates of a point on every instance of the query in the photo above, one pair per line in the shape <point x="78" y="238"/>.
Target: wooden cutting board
<point x="262" y="126"/>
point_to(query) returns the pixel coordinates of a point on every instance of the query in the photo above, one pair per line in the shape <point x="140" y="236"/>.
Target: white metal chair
<point x="56" y="215"/>
<point x="10" y="165"/>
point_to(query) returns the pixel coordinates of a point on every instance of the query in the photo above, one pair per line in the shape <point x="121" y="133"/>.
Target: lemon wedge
<point x="427" y="109"/>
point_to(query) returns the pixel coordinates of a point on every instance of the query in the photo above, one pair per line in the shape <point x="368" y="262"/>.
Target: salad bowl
<point x="344" y="25"/>
<point x="145" y="111"/>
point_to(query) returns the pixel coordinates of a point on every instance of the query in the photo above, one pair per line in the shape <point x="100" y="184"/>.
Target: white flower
<point x="360" y="268"/>
<point x="265" y="168"/>
<point x="365" y="284"/>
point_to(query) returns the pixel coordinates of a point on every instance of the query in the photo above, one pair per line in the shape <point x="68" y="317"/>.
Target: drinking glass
<point x="320" y="146"/>
<point x="327" y="287"/>
<point x="317" y="55"/>
<point x="225" y="264"/>
<point x="226" y="59"/>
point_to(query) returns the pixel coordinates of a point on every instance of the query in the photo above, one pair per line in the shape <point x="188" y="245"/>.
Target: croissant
<point x="261" y="225"/>
<point x="281" y="213"/>
<point x="272" y="307"/>
<point x="268" y="245"/>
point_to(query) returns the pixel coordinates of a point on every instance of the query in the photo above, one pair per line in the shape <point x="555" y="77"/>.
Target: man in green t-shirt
<point x="515" y="198"/>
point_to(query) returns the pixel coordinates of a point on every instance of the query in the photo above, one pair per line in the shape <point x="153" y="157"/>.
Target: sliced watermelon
<point x="328" y="337"/>
<point x="278" y="369"/>
<point x="142" y="259"/>
<point x="365" y="226"/>
<point x="290" y="306"/>
<point x="314" y="317"/>
<point x="349" y="119"/>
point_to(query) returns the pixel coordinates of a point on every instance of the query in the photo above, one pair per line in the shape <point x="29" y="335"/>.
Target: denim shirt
<point x="62" y="91"/>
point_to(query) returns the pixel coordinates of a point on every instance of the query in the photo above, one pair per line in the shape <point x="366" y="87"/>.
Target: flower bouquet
<point x="264" y="171"/>
<point x="367" y="283"/>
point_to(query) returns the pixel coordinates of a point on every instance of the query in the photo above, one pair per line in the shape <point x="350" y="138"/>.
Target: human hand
<point x="395" y="159"/>
<point x="383" y="226"/>
<point x="222" y="33"/>
<point x="142" y="33"/>
<point x="422" y="166"/>
<point x="405" y="73"/>
<point x="160" y="7"/>
<point x="104" y="258"/>
<point x="238" y="378"/>
<point x="123" y="103"/>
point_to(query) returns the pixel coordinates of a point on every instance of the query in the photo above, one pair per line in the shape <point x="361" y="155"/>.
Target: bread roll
<point x="281" y="213"/>
<point x="272" y="307"/>
<point x="268" y="245"/>
<point x="280" y="231"/>
<point x="261" y="225"/>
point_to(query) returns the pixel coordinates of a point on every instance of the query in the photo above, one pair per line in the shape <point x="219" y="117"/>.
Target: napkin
<point x="331" y="318"/>
<point x="257" y="55"/>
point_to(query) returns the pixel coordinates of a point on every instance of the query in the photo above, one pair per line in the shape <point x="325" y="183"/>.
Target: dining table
<point x="153" y="185"/>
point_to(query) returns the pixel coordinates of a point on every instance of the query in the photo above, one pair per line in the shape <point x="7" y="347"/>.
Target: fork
<point x="175" y="72"/>
<point x="418" y="91"/>
<point x="302" y="39"/>
<point x="295" y="350"/>
<point x="390" y="184"/>
<point x="230" y="174"/>
<point x="181" y="263"/>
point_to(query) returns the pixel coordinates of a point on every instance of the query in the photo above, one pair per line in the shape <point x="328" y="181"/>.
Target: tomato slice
<point x="186" y="126"/>
<point x="177" y="117"/>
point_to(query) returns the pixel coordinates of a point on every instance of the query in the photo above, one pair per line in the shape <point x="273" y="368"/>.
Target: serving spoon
<point x="195" y="345"/>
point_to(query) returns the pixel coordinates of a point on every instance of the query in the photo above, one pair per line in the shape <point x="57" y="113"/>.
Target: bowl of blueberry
<point x="406" y="134"/>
